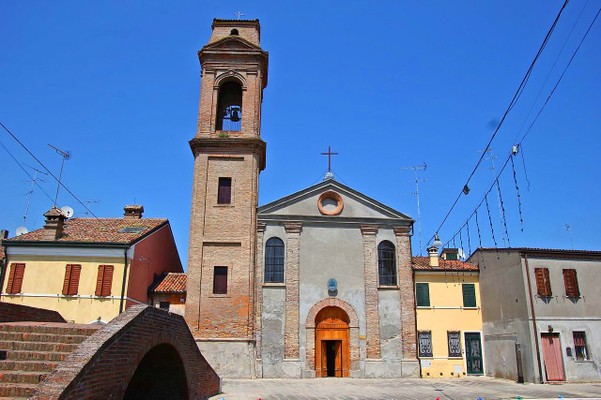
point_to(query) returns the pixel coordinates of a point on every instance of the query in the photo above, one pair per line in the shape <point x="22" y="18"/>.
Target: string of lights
<point x="465" y="189"/>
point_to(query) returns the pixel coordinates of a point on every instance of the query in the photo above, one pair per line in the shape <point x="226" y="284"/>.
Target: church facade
<point x="316" y="284"/>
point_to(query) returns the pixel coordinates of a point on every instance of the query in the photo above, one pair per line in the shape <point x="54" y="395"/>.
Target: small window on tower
<point x="234" y="32"/>
<point x="220" y="280"/>
<point x="229" y="107"/>
<point x="224" y="192"/>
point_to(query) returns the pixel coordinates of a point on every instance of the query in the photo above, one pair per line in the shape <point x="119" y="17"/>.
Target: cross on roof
<point x="238" y="14"/>
<point x="329" y="154"/>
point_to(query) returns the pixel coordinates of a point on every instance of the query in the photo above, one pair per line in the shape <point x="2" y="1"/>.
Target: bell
<point x="234" y="115"/>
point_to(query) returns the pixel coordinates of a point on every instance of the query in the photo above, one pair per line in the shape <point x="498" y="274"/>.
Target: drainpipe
<point x="540" y="369"/>
<point x="124" y="279"/>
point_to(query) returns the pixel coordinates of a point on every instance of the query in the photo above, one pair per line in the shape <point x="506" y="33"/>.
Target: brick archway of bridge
<point x="143" y="353"/>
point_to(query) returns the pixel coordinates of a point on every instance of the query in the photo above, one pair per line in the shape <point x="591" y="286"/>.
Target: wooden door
<point x="552" y="357"/>
<point x="332" y="346"/>
<point x="473" y="352"/>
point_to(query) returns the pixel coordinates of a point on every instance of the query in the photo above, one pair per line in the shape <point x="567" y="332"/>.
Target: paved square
<point x="396" y="389"/>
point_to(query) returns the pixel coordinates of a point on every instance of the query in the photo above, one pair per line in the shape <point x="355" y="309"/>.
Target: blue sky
<point x="387" y="84"/>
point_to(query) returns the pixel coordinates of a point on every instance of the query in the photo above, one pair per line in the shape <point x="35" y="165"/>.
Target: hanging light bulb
<point x="437" y="242"/>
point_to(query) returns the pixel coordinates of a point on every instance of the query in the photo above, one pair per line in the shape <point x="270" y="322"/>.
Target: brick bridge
<point x="144" y="353"/>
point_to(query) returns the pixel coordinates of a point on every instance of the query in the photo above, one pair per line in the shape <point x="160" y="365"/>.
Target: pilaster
<point x="370" y="274"/>
<point x="292" y="277"/>
<point x="405" y="273"/>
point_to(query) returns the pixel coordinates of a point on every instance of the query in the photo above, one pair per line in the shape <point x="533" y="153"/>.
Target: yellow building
<point x="448" y="315"/>
<point x="88" y="269"/>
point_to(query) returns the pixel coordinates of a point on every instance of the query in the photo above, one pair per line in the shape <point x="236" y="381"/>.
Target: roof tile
<point x="423" y="264"/>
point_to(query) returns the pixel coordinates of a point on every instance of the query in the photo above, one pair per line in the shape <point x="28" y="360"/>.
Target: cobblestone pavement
<point x="400" y="389"/>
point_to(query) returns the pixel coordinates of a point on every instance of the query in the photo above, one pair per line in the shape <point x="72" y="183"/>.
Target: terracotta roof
<point x="423" y="264"/>
<point x="96" y="230"/>
<point x="171" y="282"/>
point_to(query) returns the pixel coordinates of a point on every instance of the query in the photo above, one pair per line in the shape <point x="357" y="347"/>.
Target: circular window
<point x="330" y="203"/>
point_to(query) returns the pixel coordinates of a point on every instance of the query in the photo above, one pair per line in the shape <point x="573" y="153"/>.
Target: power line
<point x="512" y="103"/>
<point x="47" y="170"/>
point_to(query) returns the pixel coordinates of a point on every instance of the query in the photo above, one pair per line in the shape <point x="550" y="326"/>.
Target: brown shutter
<point x="15" y="278"/>
<point x="74" y="280"/>
<point x="543" y="284"/>
<point x="571" y="283"/>
<point x="99" y="280"/>
<point x="67" y="281"/>
<point x="107" y="280"/>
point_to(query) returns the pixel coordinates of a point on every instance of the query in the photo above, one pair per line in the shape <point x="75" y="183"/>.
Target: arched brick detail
<point x="353" y="331"/>
<point x="92" y="372"/>
<point x="332" y="302"/>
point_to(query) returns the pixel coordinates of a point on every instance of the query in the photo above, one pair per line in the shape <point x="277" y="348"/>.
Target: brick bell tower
<point x="228" y="157"/>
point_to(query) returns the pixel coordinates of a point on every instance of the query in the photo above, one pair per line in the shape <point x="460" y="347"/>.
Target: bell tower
<point x="228" y="157"/>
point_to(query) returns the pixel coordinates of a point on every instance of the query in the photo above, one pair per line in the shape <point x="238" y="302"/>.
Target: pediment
<point x="331" y="200"/>
<point x="231" y="43"/>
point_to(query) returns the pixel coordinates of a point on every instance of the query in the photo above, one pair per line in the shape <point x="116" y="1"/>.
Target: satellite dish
<point x="21" y="231"/>
<point x="68" y="211"/>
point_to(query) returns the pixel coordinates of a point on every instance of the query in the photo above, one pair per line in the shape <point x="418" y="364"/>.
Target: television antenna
<point x="30" y="193"/>
<point x="66" y="155"/>
<point x="417" y="180"/>
<point x="569" y="229"/>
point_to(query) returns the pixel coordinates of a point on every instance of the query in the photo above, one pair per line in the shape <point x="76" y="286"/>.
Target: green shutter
<point x="422" y="295"/>
<point x="469" y="295"/>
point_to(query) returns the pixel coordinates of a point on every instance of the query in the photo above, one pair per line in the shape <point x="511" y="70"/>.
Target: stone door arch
<point x="332" y="320"/>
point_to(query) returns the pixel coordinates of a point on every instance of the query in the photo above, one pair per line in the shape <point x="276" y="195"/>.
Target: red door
<point x="552" y="357"/>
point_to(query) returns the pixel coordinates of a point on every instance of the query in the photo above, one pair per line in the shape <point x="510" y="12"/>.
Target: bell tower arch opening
<point x="332" y="345"/>
<point x="229" y="107"/>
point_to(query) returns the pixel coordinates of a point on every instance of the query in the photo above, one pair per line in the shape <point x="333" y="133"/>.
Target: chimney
<point x="55" y="222"/>
<point x="133" y="211"/>
<point x="450" y="254"/>
<point x="3" y="234"/>
<point x="433" y="256"/>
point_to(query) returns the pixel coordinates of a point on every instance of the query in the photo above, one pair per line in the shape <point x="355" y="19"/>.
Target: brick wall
<point x="406" y="291"/>
<point x="292" y="276"/>
<point x="15" y="313"/>
<point x="104" y="364"/>
<point x="372" y="315"/>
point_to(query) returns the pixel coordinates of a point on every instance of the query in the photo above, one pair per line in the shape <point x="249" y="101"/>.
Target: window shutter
<point x="74" y="280"/>
<point x="422" y="294"/>
<point x="543" y="284"/>
<point x="105" y="280"/>
<point x="224" y="195"/>
<point x="469" y="295"/>
<point x="67" y="281"/>
<point x="220" y="280"/>
<point x="571" y="283"/>
<point x="15" y="278"/>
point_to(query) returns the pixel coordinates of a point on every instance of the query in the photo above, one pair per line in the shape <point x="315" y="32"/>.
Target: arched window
<point x="229" y="107"/>
<point x="386" y="264"/>
<point x="274" y="260"/>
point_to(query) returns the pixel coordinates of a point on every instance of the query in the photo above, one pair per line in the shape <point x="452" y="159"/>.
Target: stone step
<point x="41" y="337"/>
<point x="25" y="355"/>
<point x="16" y="390"/>
<point x="35" y="346"/>
<point x="50" y="327"/>
<point x="30" y="378"/>
<point x="28" y="366"/>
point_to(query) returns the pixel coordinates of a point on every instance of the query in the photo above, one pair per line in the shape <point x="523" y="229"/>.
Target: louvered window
<point x="224" y="193"/>
<point x="571" y="282"/>
<point x="469" y="295"/>
<point x="71" y="283"/>
<point x="274" y="260"/>
<point x="543" y="284"/>
<point x="220" y="280"/>
<point x="422" y="295"/>
<point x="105" y="280"/>
<point x="386" y="264"/>
<point x="15" y="278"/>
